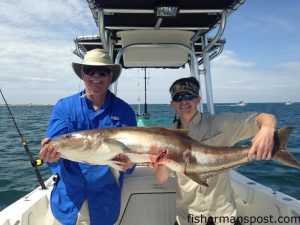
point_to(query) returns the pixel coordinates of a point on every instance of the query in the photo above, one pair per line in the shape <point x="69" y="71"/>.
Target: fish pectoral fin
<point x="198" y="179"/>
<point x="118" y="148"/>
<point x="116" y="145"/>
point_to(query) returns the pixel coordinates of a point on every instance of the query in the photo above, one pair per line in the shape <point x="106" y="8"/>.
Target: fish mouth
<point x="55" y="144"/>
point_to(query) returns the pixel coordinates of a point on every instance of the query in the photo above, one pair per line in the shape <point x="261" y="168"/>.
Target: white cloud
<point x="235" y="80"/>
<point x="292" y="66"/>
<point x="228" y="60"/>
<point x="36" y="53"/>
<point x="36" y="48"/>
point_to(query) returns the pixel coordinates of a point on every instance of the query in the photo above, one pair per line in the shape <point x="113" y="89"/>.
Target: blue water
<point x="17" y="176"/>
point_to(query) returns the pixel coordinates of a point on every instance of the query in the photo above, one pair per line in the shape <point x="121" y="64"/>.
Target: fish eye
<point x="73" y="136"/>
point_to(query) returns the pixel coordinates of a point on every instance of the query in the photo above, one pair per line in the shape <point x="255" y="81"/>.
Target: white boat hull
<point x="145" y="202"/>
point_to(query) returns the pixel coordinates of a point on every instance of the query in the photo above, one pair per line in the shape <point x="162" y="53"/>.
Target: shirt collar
<point x="108" y="100"/>
<point x="196" y="119"/>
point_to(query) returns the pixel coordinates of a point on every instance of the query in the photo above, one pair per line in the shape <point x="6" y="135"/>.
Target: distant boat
<point x="288" y="103"/>
<point x="240" y="103"/>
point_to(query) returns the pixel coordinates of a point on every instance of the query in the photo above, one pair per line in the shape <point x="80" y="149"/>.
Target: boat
<point x="146" y="202"/>
<point x="240" y="103"/>
<point x="137" y="34"/>
<point x="289" y="103"/>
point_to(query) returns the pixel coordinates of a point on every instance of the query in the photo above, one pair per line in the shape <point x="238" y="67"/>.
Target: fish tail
<point x="280" y="152"/>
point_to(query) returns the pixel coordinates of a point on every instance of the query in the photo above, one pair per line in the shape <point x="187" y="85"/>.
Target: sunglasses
<point x="188" y="97"/>
<point x="92" y="70"/>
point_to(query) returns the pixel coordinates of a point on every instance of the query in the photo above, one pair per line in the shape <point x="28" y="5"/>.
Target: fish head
<point x="78" y="141"/>
<point x="88" y="147"/>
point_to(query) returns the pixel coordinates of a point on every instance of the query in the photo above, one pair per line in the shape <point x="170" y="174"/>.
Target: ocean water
<point x="17" y="177"/>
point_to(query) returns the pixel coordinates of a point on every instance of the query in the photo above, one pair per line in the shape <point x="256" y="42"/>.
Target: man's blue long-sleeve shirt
<point x="80" y="181"/>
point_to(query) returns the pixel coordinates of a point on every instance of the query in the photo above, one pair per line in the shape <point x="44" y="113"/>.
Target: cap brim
<point x="183" y="91"/>
<point x="116" y="69"/>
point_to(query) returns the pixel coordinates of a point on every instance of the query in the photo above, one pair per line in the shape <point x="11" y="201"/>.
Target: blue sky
<point x="260" y="62"/>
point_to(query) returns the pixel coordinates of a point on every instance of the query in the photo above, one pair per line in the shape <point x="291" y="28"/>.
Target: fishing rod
<point x="34" y="163"/>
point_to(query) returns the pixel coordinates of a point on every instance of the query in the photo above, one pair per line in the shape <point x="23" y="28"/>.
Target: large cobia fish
<point x="170" y="147"/>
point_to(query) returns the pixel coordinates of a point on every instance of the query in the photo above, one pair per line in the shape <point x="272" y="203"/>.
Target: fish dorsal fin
<point x="116" y="145"/>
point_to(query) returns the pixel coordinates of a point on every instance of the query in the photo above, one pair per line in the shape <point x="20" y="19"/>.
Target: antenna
<point x="146" y="115"/>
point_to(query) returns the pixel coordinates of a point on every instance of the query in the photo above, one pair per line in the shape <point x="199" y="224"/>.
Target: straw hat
<point x="98" y="57"/>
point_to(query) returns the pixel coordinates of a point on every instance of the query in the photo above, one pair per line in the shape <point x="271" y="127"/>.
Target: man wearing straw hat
<point x="82" y="192"/>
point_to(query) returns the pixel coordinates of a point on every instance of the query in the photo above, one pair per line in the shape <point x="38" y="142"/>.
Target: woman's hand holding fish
<point x="160" y="171"/>
<point x="262" y="144"/>
<point x="48" y="152"/>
